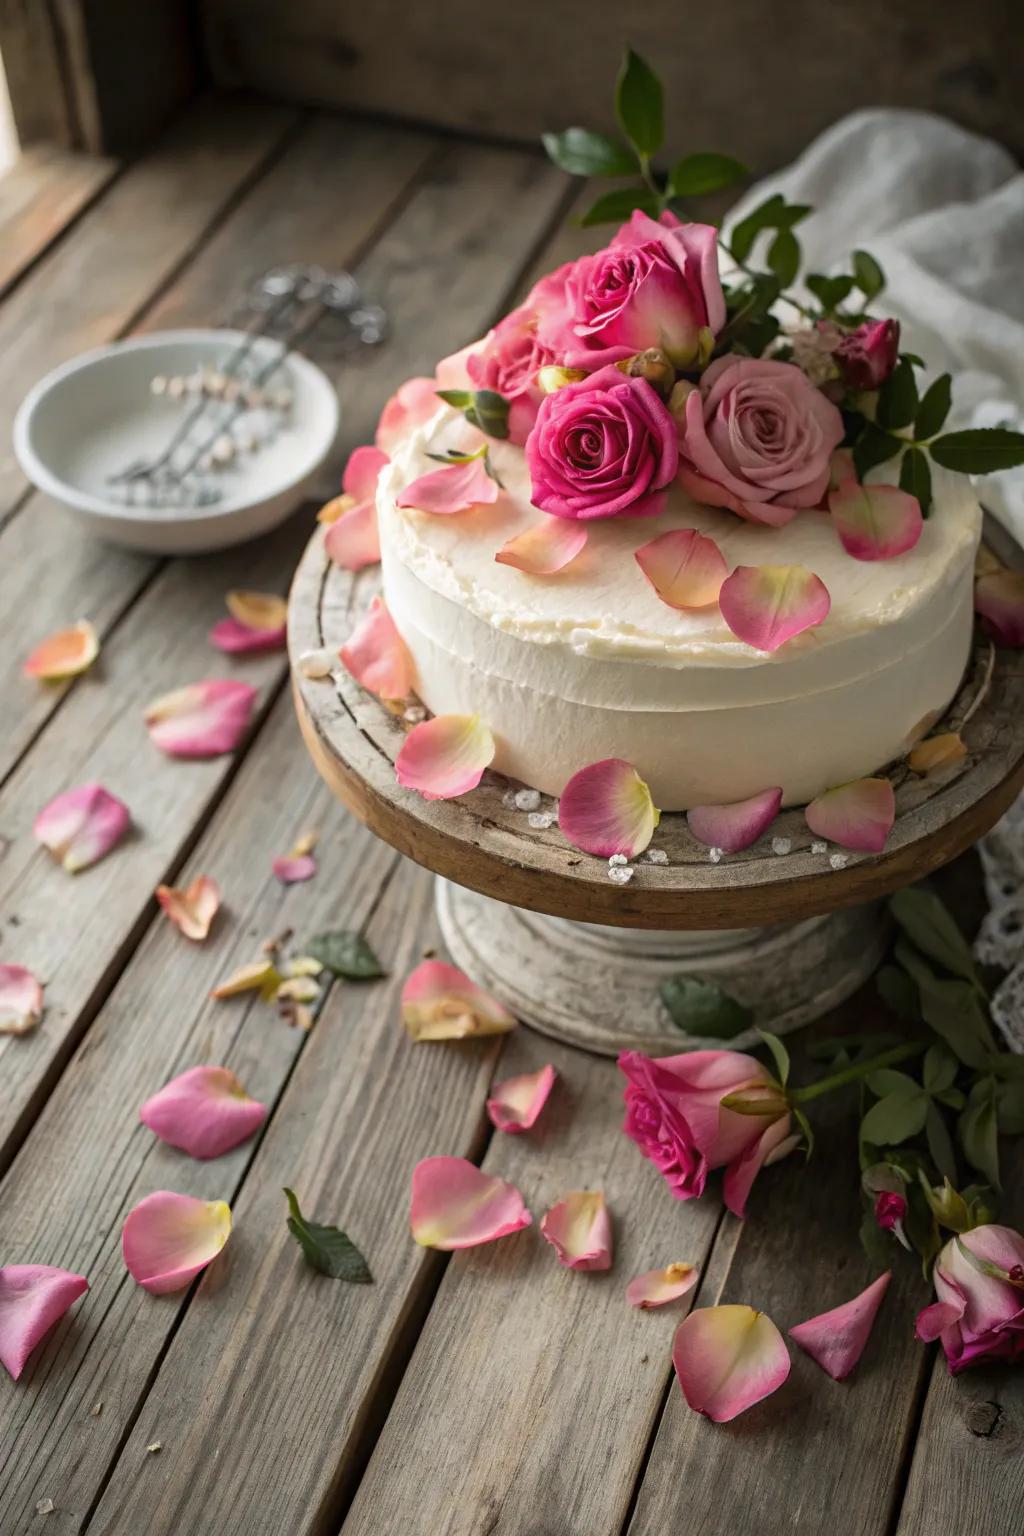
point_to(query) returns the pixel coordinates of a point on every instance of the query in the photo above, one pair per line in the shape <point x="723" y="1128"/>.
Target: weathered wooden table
<point x="490" y="1392"/>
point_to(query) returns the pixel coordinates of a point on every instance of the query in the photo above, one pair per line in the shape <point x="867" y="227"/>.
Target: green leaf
<point x="1007" y="1064"/>
<point x="767" y="215"/>
<point x="978" y="1130"/>
<point x="897" y="398"/>
<point x="327" y="1249"/>
<point x="830" y="291"/>
<point x="807" y="1129"/>
<point x="584" y="153"/>
<point x="920" y="1226"/>
<point x="940" y="1068"/>
<point x="940" y="1143"/>
<point x="638" y="104"/>
<point x="951" y="1008"/>
<point x="695" y="175"/>
<point x="895" y="1118"/>
<point x="898" y="993"/>
<point x="929" y="924"/>
<point x="615" y="206"/>
<point x="867" y="274"/>
<point x="916" y="478"/>
<point x="489" y="412"/>
<point x="784" y="256"/>
<point x="872" y="448"/>
<point x="979" y="450"/>
<point x="886" y="1080"/>
<point x="346" y="954"/>
<point x="779" y="1055"/>
<point x="701" y="1008"/>
<point x="934" y="408"/>
<point x="460" y="398"/>
<point x="863" y="1046"/>
<point x="1010" y="1108"/>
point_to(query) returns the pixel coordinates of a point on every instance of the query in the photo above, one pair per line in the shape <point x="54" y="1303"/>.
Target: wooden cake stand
<point x="783" y="929"/>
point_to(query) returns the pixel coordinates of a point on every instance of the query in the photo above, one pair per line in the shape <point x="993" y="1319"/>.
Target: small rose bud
<point x="552" y="377"/>
<point x="890" y="1210"/>
<point x="681" y="391"/>
<point x="653" y="366"/>
<point x="867" y="356"/>
<point x="948" y="1206"/>
<point x="705" y="345"/>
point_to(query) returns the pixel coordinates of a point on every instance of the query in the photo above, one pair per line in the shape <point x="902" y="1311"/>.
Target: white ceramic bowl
<point x="87" y="419"/>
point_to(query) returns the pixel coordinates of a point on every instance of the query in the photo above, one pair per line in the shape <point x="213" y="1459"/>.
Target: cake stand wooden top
<point x="482" y="842"/>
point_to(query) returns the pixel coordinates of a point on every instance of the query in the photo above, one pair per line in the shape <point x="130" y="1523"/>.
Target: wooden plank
<point x="40" y="104"/>
<point x="533" y="1390"/>
<point x="42" y="193"/>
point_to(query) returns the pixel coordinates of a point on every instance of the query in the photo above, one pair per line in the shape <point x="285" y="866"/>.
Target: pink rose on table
<point x="867" y="356"/>
<point x="602" y="446"/>
<point x="656" y="285"/>
<point x="508" y="362"/>
<point x="757" y="437"/>
<point x="674" y="1114"/>
<point x="979" y="1311"/>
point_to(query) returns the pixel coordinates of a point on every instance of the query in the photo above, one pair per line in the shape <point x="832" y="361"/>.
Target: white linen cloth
<point x="942" y="210"/>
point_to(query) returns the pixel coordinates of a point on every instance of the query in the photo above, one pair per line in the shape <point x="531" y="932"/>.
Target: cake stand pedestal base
<point x="598" y="987"/>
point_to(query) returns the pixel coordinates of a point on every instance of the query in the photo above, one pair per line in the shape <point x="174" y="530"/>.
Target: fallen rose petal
<point x="81" y="825"/>
<point x="684" y="567"/>
<point x="445" y="757"/>
<point x="659" y="1286"/>
<point x="65" y="654"/>
<point x="262" y="976"/>
<point x="545" y="548"/>
<point x="237" y="639"/>
<point x="710" y="494"/>
<point x="362" y="473"/>
<point x="580" y="1230"/>
<point x="766" y="605"/>
<point x="855" y="815"/>
<point x="456" y="1205"/>
<point x="607" y="808"/>
<point x="352" y="540"/>
<point x="453" y="488"/>
<point x="515" y="1104"/>
<point x="412" y="404"/>
<point x="841" y="469"/>
<point x="204" y="1111"/>
<point x="727" y="1359"/>
<point x="293" y="868"/>
<point x="376" y="655"/>
<point x="999" y="604"/>
<point x="735" y="826"/>
<point x="936" y="752"/>
<point x="32" y="1298"/>
<point x="202" y="720"/>
<point x="258" y="610"/>
<point x="192" y="909"/>
<point x="168" y="1239"/>
<point x="21" y="1000"/>
<point x="440" y="1002"/>
<point x="875" y="522"/>
<point x="836" y="1339"/>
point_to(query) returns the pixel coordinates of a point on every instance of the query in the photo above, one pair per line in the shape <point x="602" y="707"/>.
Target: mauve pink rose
<point x="508" y="362"/>
<point x="757" y="437"/>
<point x="867" y="356"/>
<point x="674" y="1114"/>
<point x="978" y="1315"/>
<point x="603" y="446"/>
<point x="656" y="285"/>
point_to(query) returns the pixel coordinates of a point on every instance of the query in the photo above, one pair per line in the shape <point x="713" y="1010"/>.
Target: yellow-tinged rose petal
<point x="258" y="610"/>
<point x="262" y="976"/>
<point x="21" y="1000"/>
<point x="445" y="757"/>
<point x="727" y="1359"/>
<point x="580" y="1230"/>
<point x="65" y="654"/>
<point x="606" y="808"/>
<point x="169" y="1238"/>
<point x="457" y="1205"/>
<point x="936" y="752"/>
<point x="659" y="1286"/>
<point x="440" y="1002"/>
<point x="192" y="909"/>
<point x="515" y="1104"/>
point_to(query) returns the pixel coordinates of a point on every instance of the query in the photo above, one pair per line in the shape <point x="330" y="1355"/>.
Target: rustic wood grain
<point x="40" y="195"/>
<point x="40" y="106"/>
<point x="534" y="1389"/>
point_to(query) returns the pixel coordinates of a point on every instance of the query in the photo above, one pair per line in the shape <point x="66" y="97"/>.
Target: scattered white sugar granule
<point x="541" y="820"/>
<point x="414" y="714"/>
<point x="715" y="855"/>
<point x="656" y="856"/>
<point x="817" y="847"/>
<point x="781" y="845"/>
<point x="508" y="799"/>
<point x="527" y="799"/>
<point x="620" y="873"/>
<point x="45" y="1507"/>
<point x="617" y="860"/>
<point x="316" y="663"/>
<point x="839" y="860"/>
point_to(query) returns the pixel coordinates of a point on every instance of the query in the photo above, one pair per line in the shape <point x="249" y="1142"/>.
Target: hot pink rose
<point x="979" y="1313"/>
<point x="867" y="356"/>
<point x="656" y="285"/>
<point x="508" y="362"/>
<point x="674" y="1114"/>
<point x="757" y="438"/>
<point x="602" y="446"/>
<point x="890" y="1210"/>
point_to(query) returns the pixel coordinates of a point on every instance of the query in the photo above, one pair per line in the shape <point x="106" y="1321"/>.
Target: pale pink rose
<point x="602" y="446"/>
<point x="867" y="356"/>
<point x="979" y="1310"/>
<point x="761" y="433"/>
<point x="656" y="285"/>
<point x="508" y="362"/>
<point x="674" y="1114"/>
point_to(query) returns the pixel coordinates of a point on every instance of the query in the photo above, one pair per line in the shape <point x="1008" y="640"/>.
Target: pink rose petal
<point x="453" y="488"/>
<point x="999" y="604"/>
<point x="841" y="470"/>
<point x="82" y="825"/>
<point x="32" y="1298"/>
<point x="735" y="826"/>
<point x="855" y="815"/>
<point x="836" y="1339"/>
<point x="452" y="372"/>
<point x="440" y="1002"/>
<point x="659" y="1286"/>
<point x="727" y="1359"/>
<point x="875" y="522"/>
<point x="766" y="605"/>
<point x="932" y="1321"/>
<point x="21" y="1000"/>
<point x="233" y="638"/>
<point x="202" y="720"/>
<point x="293" y="869"/>
<point x="684" y="567"/>
<point x="64" y="654"/>
<point x="607" y="808"/>
<point x="362" y="473"/>
<point x="352" y="540"/>
<point x="774" y="1143"/>
<point x="204" y="1111"/>
<point x="710" y="494"/>
<point x="192" y="909"/>
<point x="580" y="1230"/>
<point x="376" y="656"/>
<point x="412" y="404"/>
<point x="168" y="1239"/>
<point x="445" y="757"/>
<point x="545" y="548"/>
<point x="515" y="1104"/>
<point x="456" y="1205"/>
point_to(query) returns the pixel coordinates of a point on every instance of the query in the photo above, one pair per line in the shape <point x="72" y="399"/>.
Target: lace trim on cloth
<point x="1000" y="940"/>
